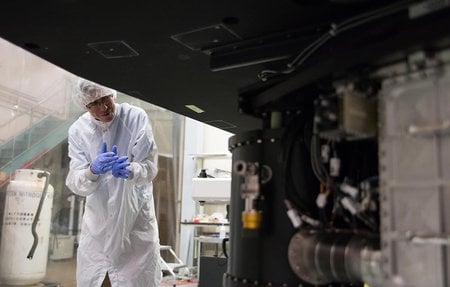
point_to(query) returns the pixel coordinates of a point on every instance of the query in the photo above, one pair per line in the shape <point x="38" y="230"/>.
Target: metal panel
<point x="414" y="152"/>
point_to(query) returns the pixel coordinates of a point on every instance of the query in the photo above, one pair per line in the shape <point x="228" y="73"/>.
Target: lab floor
<point x="61" y="273"/>
<point x="184" y="283"/>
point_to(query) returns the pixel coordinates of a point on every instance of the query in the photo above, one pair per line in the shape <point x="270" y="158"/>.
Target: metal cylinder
<point x="23" y="197"/>
<point x="321" y="257"/>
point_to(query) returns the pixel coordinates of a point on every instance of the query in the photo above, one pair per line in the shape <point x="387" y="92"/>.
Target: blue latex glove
<point x="104" y="161"/>
<point x="120" y="166"/>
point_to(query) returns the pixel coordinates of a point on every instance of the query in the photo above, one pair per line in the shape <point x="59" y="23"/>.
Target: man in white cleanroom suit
<point x="113" y="160"/>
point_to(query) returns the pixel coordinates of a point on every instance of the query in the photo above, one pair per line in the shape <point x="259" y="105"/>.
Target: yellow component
<point x="366" y="285"/>
<point x="322" y="188"/>
<point x="252" y="219"/>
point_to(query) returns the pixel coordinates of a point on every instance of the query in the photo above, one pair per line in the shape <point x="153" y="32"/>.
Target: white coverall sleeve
<point x="144" y="153"/>
<point x="80" y="179"/>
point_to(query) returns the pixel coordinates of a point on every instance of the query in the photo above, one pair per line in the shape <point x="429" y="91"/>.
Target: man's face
<point x="102" y="109"/>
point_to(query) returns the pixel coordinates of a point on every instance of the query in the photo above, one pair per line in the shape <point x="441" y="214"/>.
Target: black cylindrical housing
<point x="259" y="258"/>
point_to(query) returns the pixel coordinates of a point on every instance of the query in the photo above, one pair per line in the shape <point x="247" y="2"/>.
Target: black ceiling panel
<point x="178" y="53"/>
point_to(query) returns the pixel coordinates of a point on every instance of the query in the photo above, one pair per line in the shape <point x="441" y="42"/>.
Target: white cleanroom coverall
<point x="119" y="234"/>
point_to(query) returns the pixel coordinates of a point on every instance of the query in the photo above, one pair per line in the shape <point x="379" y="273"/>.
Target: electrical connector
<point x="349" y="205"/>
<point x="321" y="200"/>
<point x="293" y="215"/>
<point x="348" y="189"/>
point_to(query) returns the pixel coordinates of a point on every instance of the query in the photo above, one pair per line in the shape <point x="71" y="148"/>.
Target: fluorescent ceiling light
<point x="195" y="109"/>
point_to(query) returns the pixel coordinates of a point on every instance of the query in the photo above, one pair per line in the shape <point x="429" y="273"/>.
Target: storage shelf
<point x="205" y="223"/>
<point x="210" y="155"/>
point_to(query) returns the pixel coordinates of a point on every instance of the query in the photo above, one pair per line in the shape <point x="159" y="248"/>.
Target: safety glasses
<point x="104" y="101"/>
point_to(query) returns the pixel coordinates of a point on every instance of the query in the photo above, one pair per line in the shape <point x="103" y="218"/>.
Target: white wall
<point x="200" y="139"/>
<point x="215" y="141"/>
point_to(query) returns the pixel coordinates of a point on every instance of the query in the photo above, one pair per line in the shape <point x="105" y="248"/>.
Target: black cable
<point x="36" y="216"/>
<point x="318" y="168"/>
<point x="307" y="52"/>
<point x="381" y="12"/>
<point x="349" y="24"/>
<point x="300" y="197"/>
<point x="335" y="30"/>
<point x="224" y="247"/>
<point x="289" y="194"/>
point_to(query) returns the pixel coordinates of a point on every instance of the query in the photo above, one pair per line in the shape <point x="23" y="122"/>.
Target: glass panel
<point x="36" y="111"/>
